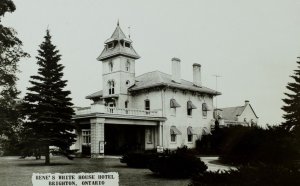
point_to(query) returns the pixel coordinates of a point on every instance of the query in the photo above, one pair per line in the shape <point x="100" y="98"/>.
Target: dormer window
<point x="127" y="44"/>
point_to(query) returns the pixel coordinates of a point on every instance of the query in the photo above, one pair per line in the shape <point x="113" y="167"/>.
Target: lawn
<point x="18" y="172"/>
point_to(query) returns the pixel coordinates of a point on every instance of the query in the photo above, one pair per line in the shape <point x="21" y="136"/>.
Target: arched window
<point x="127" y="66"/>
<point x="111" y="87"/>
<point x="111" y="66"/>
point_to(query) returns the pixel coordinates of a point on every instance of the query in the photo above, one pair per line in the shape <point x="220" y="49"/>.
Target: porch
<point x="111" y="131"/>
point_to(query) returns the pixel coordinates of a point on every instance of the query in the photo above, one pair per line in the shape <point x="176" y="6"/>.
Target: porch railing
<point x="97" y="108"/>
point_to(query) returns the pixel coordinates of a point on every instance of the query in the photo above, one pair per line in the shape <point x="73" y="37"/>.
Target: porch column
<point x="160" y="134"/>
<point x="97" y="137"/>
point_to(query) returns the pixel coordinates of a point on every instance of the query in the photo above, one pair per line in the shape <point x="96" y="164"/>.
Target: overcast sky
<point x="252" y="44"/>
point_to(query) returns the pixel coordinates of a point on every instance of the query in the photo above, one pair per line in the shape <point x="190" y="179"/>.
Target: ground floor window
<point x="173" y="137"/>
<point x="190" y="138"/>
<point x="86" y="136"/>
<point x="149" y="139"/>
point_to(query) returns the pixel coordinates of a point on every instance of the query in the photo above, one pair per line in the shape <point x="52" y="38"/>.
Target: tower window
<point x="111" y="66"/>
<point x="127" y="66"/>
<point x="127" y="82"/>
<point x="110" y="45"/>
<point x="111" y="87"/>
<point x="126" y="104"/>
<point x="204" y="109"/>
<point x="147" y="104"/>
<point x="127" y="45"/>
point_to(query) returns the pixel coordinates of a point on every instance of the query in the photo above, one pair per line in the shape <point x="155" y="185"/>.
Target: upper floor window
<point x="126" y="104"/>
<point x="204" y="109"/>
<point x="147" y="104"/>
<point x="111" y="66"/>
<point x="190" y="107"/>
<point x="127" y="82"/>
<point x="127" y="66"/>
<point x="111" y="87"/>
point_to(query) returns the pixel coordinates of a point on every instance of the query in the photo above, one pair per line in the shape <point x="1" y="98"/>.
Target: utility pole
<point x="217" y="76"/>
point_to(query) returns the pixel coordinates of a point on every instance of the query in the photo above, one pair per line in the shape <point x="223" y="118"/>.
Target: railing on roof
<point x="97" y="108"/>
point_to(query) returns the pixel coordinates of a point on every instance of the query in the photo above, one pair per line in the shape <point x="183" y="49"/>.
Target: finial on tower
<point x="118" y="24"/>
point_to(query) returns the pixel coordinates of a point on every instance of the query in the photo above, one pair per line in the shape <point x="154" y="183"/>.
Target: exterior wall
<point x="248" y="114"/>
<point x="138" y="101"/>
<point x="182" y="121"/>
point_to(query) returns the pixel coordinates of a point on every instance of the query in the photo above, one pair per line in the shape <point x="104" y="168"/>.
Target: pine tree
<point x="292" y="103"/>
<point x="47" y="105"/>
<point x="10" y="54"/>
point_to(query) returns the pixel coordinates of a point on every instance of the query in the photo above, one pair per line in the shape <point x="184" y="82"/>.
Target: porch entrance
<point x="120" y="139"/>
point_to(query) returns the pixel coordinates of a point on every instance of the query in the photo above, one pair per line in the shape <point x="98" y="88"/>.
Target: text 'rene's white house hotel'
<point x="152" y="110"/>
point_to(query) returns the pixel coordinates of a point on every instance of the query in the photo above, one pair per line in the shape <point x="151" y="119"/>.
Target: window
<point x="204" y="109"/>
<point x="173" y="133"/>
<point x="127" y="66"/>
<point x="127" y="82"/>
<point x="86" y="136"/>
<point x="190" y="133"/>
<point x="111" y="66"/>
<point x="173" y="137"/>
<point x="149" y="139"/>
<point x="111" y="87"/>
<point x="190" y="138"/>
<point x="127" y="45"/>
<point x="190" y="107"/>
<point x="147" y="104"/>
<point x="110" y="45"/>
<point x="126" y="104"/>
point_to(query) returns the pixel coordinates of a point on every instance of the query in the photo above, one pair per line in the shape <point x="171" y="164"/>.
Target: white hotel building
<point x="143" y="112"/>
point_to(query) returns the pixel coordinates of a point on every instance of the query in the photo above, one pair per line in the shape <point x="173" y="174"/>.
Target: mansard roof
<point x="118" y="48"/>
<point x="157" y="78"/>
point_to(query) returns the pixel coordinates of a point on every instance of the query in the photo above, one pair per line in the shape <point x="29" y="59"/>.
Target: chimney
<point x="176" y="70"/>
<point x="246" y="102"/>
<point x="197" y="74"/>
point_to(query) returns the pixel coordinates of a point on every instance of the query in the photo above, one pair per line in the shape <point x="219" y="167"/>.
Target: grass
<point x="18" y="172"/>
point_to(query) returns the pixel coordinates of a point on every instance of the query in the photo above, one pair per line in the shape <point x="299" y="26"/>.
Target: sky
<point x="253" y="45"/>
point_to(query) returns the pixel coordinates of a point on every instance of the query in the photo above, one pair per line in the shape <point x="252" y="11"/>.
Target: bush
<point x="251" y="145"/>
<point x="138" y="159"/>
<point x="178" y="164"/>
<point x="248" y="176"/>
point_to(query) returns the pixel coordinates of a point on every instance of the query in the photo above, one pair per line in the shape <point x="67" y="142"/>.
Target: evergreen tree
<point x="292" y="109"/>
<point x="47" y="105"/>
<point x="292" y="103"/>
<point x="10" y="54"/>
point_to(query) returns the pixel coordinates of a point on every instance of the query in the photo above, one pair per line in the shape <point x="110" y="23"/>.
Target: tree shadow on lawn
<point x="42" y="164"/>
<point x="157" y="176"/>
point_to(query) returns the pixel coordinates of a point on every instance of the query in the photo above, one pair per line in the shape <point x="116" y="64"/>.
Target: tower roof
<point x="118" y="44"/>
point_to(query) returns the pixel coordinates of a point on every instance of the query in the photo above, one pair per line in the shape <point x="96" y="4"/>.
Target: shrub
<point x="178" y="164"/>
<point x="248" y="176"/>
<point x="138" y="159"/>
<point x="244" y="145"/>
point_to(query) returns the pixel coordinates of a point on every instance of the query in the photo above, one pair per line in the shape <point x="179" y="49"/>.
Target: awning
<point x="190" y="131"/>
<point x="205" y="131"/>
<point x="174" y="130"/>
<point x="174" y="104"/>
<point x="190" y="105"/>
